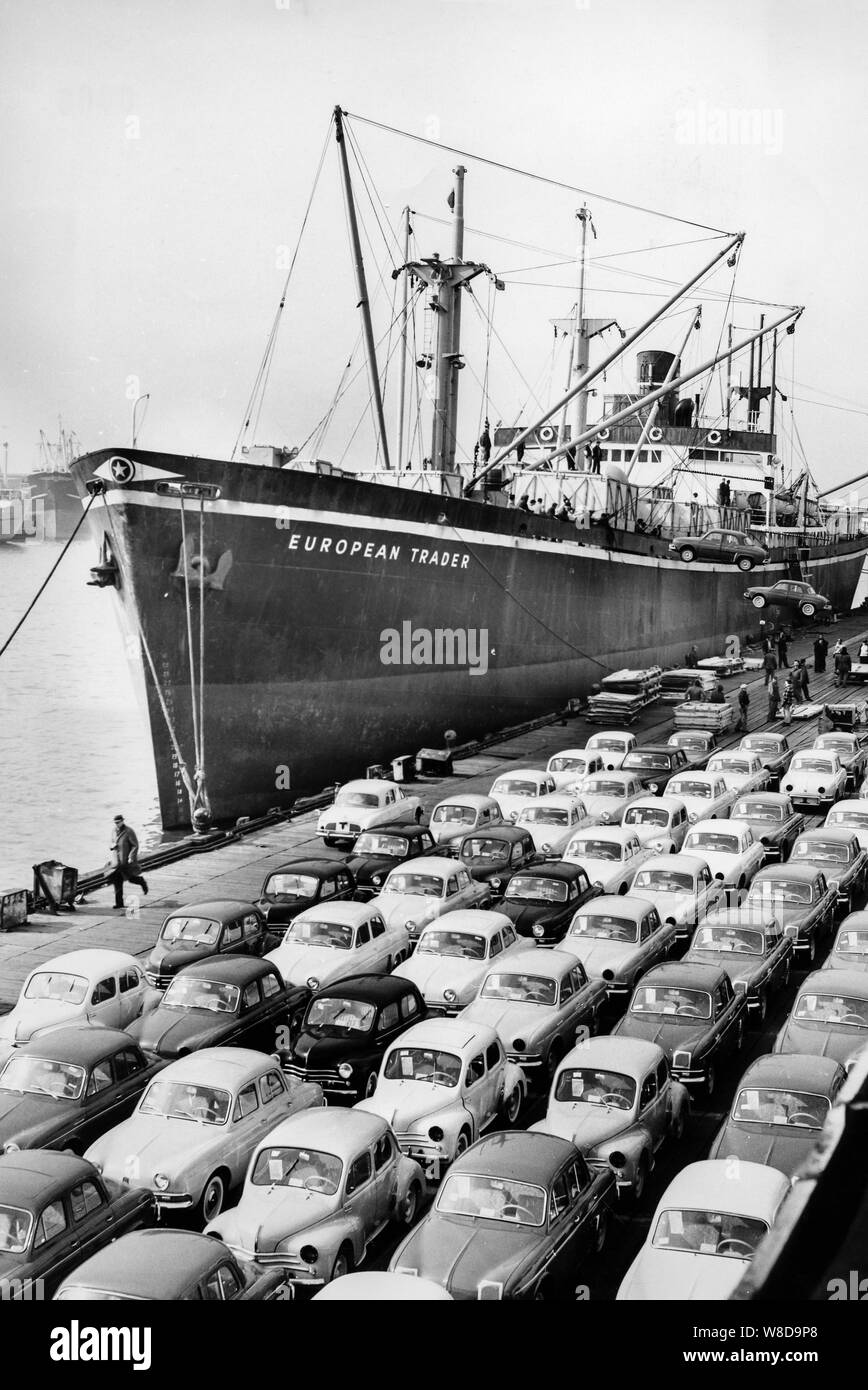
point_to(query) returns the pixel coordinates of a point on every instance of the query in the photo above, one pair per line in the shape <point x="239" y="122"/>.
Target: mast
<point x="450" y="361"/>
<point x="362" y="288"/>
<point x="729" y="381"/>
<point x="774" y="383"/>
<point x="402" y="372"/>
<point x="580" y="402"/>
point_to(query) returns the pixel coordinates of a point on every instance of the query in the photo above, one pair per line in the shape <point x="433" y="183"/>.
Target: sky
<point x="156" y="159"/>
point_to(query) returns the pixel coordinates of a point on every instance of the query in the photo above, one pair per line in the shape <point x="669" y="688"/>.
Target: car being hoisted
<point x="790" y="593"/>
<point x="721" y="547"/>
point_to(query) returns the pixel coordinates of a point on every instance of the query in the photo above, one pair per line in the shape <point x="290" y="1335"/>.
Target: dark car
<point x="752" y="948"/>
<point x="346" y="1030"/>
<point x="694" y="1014"/>
<point x="698" y="744"/>
<point x="772" y="819"/>
<point x="56" y="1209"/>
<point x="829" y="1017"/>
<point x="226" y="1001"/>
<point x="171" y="1267"/>
<point x="493" y="855"/>
<point x="378" y="851"/>
<point x="731" y="547"/>
<point x="838" y="853"/>
<point x="656" y="763"/>
<point x="801" y="899"/>
<point x="207" y="929"/>
<point x="541" y="901"/>
<point x="300" y="884"/>
<point x="780" y="1107"/>
<point x="773" y="751"/>
<point x="70" y="1086"/>
<point x="789" y="593"/>
<point x="515" y="1218"/>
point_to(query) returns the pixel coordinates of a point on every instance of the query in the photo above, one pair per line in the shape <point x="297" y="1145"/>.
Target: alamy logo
<point x="442" y="646"/>
<point x="77" y="1343"/>
<point x="853" y="1289"/>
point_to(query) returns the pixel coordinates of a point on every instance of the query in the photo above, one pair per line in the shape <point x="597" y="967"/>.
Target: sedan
<point x="839" y="855"/>
<point x="705" y="795"/>
<point x="829" y="1017"/>
<point x="376" y="852"/>
<point x="607" y="795"/>
<point x="613" y="744"/>
<point x="365" y="804"/>
<point x="850" y="815"/>
<point x="781" y="1105"/>
<point x="790" y="593"/>
<point x="453" y="957"/>
<point x="572" y="764"/>
<point x="815" y="779"/>
<point x="90" y="986"/>
<point x="729" y="849"/>
<point x="801" y="900"/>
<point x="852" y="751"/>
<point x="167" y="1266"/>
<point x="850" y="947"/>
<point x="698" y="744"/>
<point x="655" y="766"/>
<point x="300" y="884"/>
<point x="206" y="929"/>
<point x="540" y="902"/>
<point x="414" y="895"/>
<point x="751" y="947"/>
<point x="681" y="887"/>
<point x="773" y="821"/>
<point x="658" y="822"/>
<point x="551" y="822"/>
<point x="741" y="772"/>
<point x="617" y="939"/>
<point x="325" y="944"/>
<point x="773" y="751"/>
<point x="721" y="547"/>
<point x="609" y="855"/>
<point x="458" y="815"/>
<point x="514" y="790"/>
<point x="494" y="857"/>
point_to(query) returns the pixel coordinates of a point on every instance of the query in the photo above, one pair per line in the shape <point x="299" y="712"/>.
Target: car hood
<point x="364" y="866"/>
<point x="432" y="974"/>
<point x="737" y="967"/>
<point x="788" y="914"/>
<point x="586" y="1126"/>
<point x="680" y="906"/>
<point x="460" y="1254"/>
<point x="323" y="1053"/>
<point x="803" y="777"/>
<point x="671" y="1037"/>
<point x="681" y="1275"/>
<point x="819" y="1040"/>
<point x="267" y="1215"/>
<point x="511" y="1021"/>
<point x="404" y="1104"/>
<point x="777" y="1146"/>
<point x="155" y="1145"/>
<point x="299" y="963"/>
<point x="597" y="956"/>
<point x="25" y="1117"/>
<point x="170" y="959"/>
<point x="400" y="908"/>
<point x="525" y="916"/>
<point x="169" y="1031"/>
<point x="596" y="804"/>
<point x="718" y="863"/>
<point x="24" y="1021"/>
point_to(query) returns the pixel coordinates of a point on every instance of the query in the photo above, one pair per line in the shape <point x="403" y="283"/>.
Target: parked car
<point x="850" y="815"/>
<point x="346" y="1030"/>
<point x="698" y="744"/>
<point x="850" y="947"/>
<point x="443" y="1084"/>
<point x="379" y="1286"/>
<point x="376" y="852"/>
<point x="540" y="902"/>
<point x="692" y="1011"/>
<point x="56" y="1209"/>
<point x="228" y="1001"/>
<point x="658" y="822"/>
<point x="751" y="947"/>
<point x="656" y="764"/>
<point x="201" y="930"/>
<point x="606" y="796"/>
<point x="705" y="1231"/>
<point x="728" y="848"/>
<point x="773" y="751"/>
<point x="829" y="1017"/>
<point x="69" y="1086"/>
<point x="616" y="1101"/>
<point x="852" y="751"/>
<point x="790" y="593"/>
<point x="772" y="819"/>
<point x="572" y="765"/>
<point x="516" y="1218"/>
<point x="366" y="804"/>
<point x="453" y="957"/>
<point x="329" y="943"/>
<point x="197" y="1124"/>
<point x="705" y="795"/>
<point x="779" y="1109"/>
<point x="839" y="855"/>
<point x="494" y="857"/>
<point x="815" y="778"/>
<point x="609" y="855"/>
<point x="90" y="986"/>
<point x="538" y="1004"/>
<point x="414" y="895"/>
<point x="680" y="886"/>
<point x="551" y="822"/>
<point x="459" y="814"/>
<point x="618" y="938"/>
<point x="320" y="1187"/>
<point x="741" y="772"/>
<point x="721" y="547"/>
<point x="169" y="1266"/>
<point x="801" y="900"/>
<point x="513" y="790"/>
<point x="300" y="884"/>
<point x="613" y="744"/>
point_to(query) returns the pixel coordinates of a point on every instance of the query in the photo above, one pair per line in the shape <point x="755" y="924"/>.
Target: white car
<point x="618" y="939"/>
<point x="514" y="790"/>
<point x="572" y="764"/>
<point x="852" y="750"/>
<point x="90" y="986"/>
<point x="441" y="1085"/>
<point x="607" y="795"/>
<point x="705" y="795"/>
<point x="417" y="892"/>
<point x="337" y="939"/>
<point x="614" y="745"/>
<point x="697" y="743"/>
<point x="454" y="956"/>
<point x="741" y="770"/>
<point x="459" y="815"/>
<point x="658" y="822"/>
<point x="609" y="855"/>
<point x="705" y="1231"/>
<point x="363" y="804"/>
<point x="681" y="887"/>
<point x="815" y="778"/>
<point x="552" y="821"/>
<point x="850" y="815"/>
<point x="381" y="1286"/>
<point x="729" y="849"/>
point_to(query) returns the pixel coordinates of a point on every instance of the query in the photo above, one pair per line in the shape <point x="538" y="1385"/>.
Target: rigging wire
<point x="44" y="585"/>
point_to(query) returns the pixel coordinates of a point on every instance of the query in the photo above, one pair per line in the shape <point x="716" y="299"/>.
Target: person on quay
<point x="787" y="701"/>
<point x="770" y="664"/>
<point x="694" y="691"/>
<point x="125" y="858"/>
<point x="717" y="696"/>
<point x="782" y="651"/>
<point x="743" y="707"/>
<point x="821" y="646"/>
<point x="800" y="679"/>
<point x="863" y="650"/>
<point x="843" y="662"/>
<point x="692" y="658"/>
<point x="773" y="691"/>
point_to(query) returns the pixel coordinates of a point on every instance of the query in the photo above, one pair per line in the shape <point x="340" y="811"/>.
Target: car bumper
<point x="332" y="1084"/>
<point x="172" y="1201"/>
<point x="690" y="1076"/>
<point x="431" y="1157"/>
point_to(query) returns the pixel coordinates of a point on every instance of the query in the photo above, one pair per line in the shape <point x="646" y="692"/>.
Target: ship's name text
<point x="370" y="550"/>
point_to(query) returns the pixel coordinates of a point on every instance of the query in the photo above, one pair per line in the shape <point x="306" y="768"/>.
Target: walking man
<point x="800" y="679"/>
<point x="743" y="707"/>
<point x="782" y="651"/>
<point x="821" y="646"/>
<point x="125" y="857"/>
<point x="769" y="663"/>
<point x="789" y="699"/>
<point x="843" y="663"/>
<point x="774" y="694"/>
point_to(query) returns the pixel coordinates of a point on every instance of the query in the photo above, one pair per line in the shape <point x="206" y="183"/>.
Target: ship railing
<point x="429" y="480"/>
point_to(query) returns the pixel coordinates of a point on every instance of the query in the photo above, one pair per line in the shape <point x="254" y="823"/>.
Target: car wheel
<point x="370" y="1085"/>
<point x="512" y="1106"/>
<point x="758" y="601"/>
<point x="710" y="1082"/>
<point x="411" y="1204"/>
<point x="552" y="1060"/>
<point x="462" y="1144"/>
<point x="213" y="1197"/>
<point x="601" y="1231"/>
<point x="808" y="609"/>
<point x="343" y="1263"/>
<point x="744" y="562"/>
<point x="640" y="1182"/>
<point x="688" y="554"/>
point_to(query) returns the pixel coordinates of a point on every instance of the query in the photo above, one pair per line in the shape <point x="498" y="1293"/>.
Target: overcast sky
<point x="155" y="157"/>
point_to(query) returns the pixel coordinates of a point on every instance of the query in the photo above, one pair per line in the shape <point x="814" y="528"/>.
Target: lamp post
<point x="146" y="397"/>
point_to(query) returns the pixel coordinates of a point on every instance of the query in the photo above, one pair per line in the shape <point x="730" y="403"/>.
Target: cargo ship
<point x="292" y="622"/>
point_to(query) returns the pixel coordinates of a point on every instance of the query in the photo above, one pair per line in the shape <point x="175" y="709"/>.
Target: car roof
<point x="853" y="982"/>
<point x="560" y="799"/>
<point x="617" y="902"/>
<point x="568" y="873"/>
<point x="218" y="1066"/>
<point x="764" y="734"/>
<point x="510" y="833"/>
<point x="614" y="775"/>
<point x="688" y="863"/>
<point x="227" y="969"/>
<point x="852" y="803"/>
<point x="844" y="836"/>
<point x="804" y="873"/>
<point x="633" y="1055"/>
<point x="343" y="912"/>
<point x="812" y="752"/>
<point x="855" y="921"/>
<point x="381" y="1286"/>
<point x="481" y="923"/>
<point x="617" y="834"/>
<point x="32" y="1174"/>
<point x="535" y="961"/>
<point x="709" y="1184"/>
<point x="519" y="1154"/>
<point x="669" y="803"/>
<point x="393" y="827"/>
<point x="83" y="1046"/>
<point x="153" y="1264"/>
<point x="755" y="918"/>
<point x="222" y="909"/>
<point x="336" y="1129"/>
<point x="572" y="753"/>
<point x="367" y="784"/>
<point x="609" y="733"/>
<point x="714" y="823"/>
<point x="684" y="972"/>
<point x="696" y="775"/>
<point x="322" y="868"/>
<point x="653" y="748"/>
<point x="779" y="798"/>
<point x="792" y="1069"/>
<point x="371" y="989"/>
<point x="89" y="961"/>
<point x="845" y="734"/>
<point x="449" y="1034"/>
<point x="428" y="863"/>
<point x="467" y="799"/>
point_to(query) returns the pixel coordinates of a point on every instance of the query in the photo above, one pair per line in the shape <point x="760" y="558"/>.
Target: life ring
<point x="602" y="434"/>
<point x="714" y="437"/>
<point x="546" y="434"/>
<point x="655" y="435"/>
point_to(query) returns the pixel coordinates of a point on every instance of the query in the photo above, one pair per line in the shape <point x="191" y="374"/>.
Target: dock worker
<point x="782" y="651"/>
<point x="694" y="691"/>
<point x="717" y="696"/>
<point x="843" y="662"/>
<point x="692" y="657"/>
<point x="821" y="646"/>
<point x="770" y="664"/>
<point x="774" y="693"/>
<point x="743" y="707"/>
<point x="800" y="679"/>
<point x="125" y="857"/>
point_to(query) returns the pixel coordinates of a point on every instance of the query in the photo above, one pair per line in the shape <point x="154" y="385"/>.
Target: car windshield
<point x="730" y="939"/>
<point x="762" y="1106"/>
<point x="54" y="984"/>
<point x="15" y="1227"/>
<point x="599" y="786"/>
<point x="187" y="993"/>
<point x="335" y="1015"/>
<point x="520" y="989"/>
<point x="422" y="1064"/>
<point x="664" y="881"/>
<point x="416" y="885"/>
<point x="605" y="927"/>
<point x="567" y="764"/>
<point x="454" y="815"/>
<point x="787" y="890"/>
<point x="43" y="1076"/>
<point x="613" y="745"/>
<point x="585" y="1086"/>
<point x="609" y="850"/>
<point x="545" y="815"/>
<point x="709" y="1233"/>
<point x="647" y="815"/>
<point x="758" y="810"/>
<point x="686" y="786"/>
<point x="671" y="1001"/>
<point x="806" y="762"/>
<point x="495" y="851"/>
<point x="837" y="743"/>
<point x="549" y="890"/>
<point x="713" y="840"/>
<point x="293" y="886"/>
<point x="336" y="935"/>
<point x="851" y="819"/>
<point x="202" y="930"/>
<point x="515" y="786"/>
<point x="729" y="763"/>
<point x="658" y="761"/>
<point x="318" y="1172"/>
<point x="452" y="943"/>
<point x="832" y="1008"/>
<point x="357" y="799"/>
<point x="761" y="743"/>
<point x="852" y="943"/>
<point x="390" y="846"/>
<point x="491" y="1199"/>
<point x="181" y="1100"/>
<point x="822" y="849"/>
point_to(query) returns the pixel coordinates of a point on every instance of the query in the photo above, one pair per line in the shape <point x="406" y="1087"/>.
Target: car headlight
<point x="309" y="1254"/>
<point x="495" y="882"/>
<point x="682" y="1060"/>
<point x="652" y="786"/>
<point x="740" y="986"/>
<point x="513" y="815"/>
<point x="606" y="817"/>
<point x="11" y="1148"/>
<point x="377" y="878"/>
<point x="410" y="924"/>
<point x="539" y="929"/>
<point x="313" y="982"/>
<point x="546" y="849"/>
<point x="659" y="845"/>
<point x="161" y="1182"/>
<point x="518" y="1045"/>
<point x="435" y="1133"/>
<point x="693" y="817"/>
<point x="345" y="1070"/>
<point x="821" y="790"/>
<point x="788" y="787"/>
<point x="598" y="883"/>
<point x="450" y="996"/>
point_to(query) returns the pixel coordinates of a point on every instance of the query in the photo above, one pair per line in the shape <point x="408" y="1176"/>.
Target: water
<point x="74" y="744"/>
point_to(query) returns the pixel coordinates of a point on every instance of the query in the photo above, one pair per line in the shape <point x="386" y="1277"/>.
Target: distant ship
<point x="55" y="500"/>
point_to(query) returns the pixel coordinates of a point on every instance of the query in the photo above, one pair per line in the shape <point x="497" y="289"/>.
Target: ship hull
<point x="324" y="604"/>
